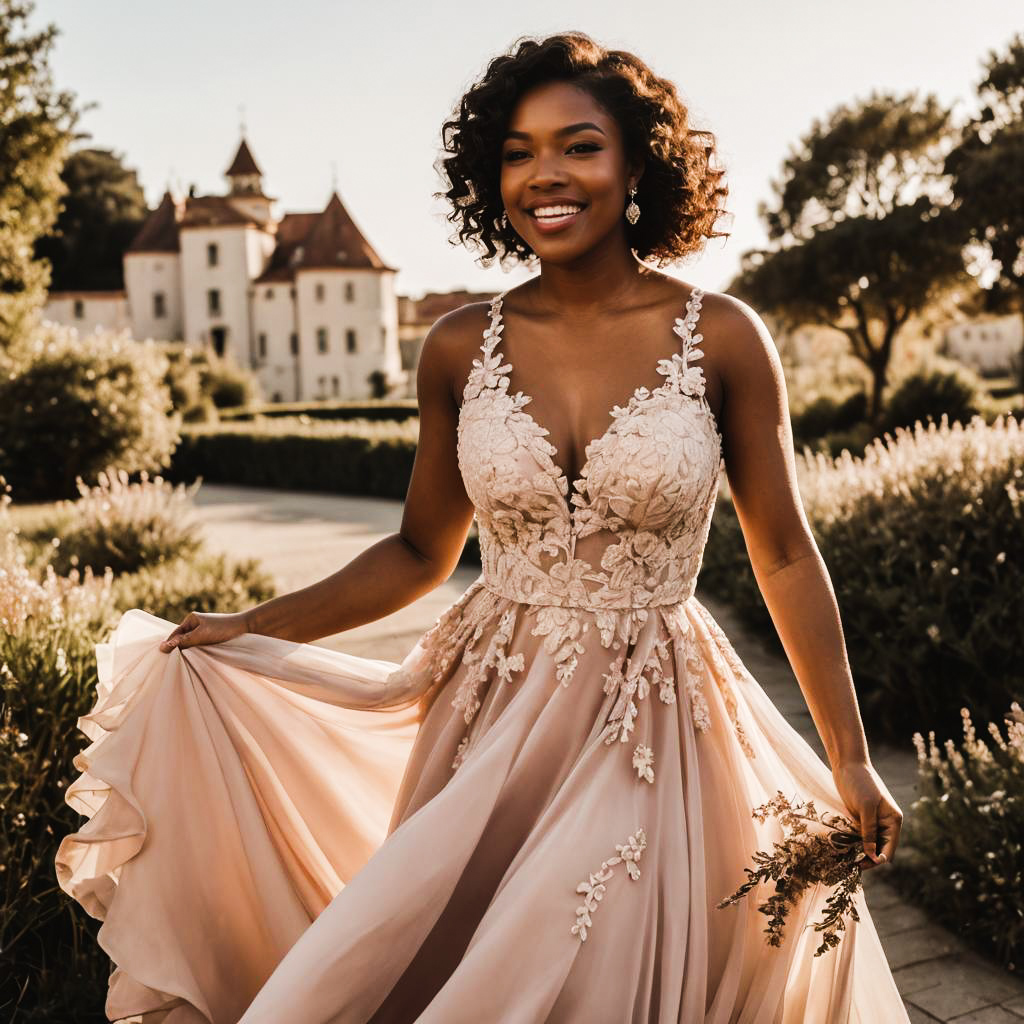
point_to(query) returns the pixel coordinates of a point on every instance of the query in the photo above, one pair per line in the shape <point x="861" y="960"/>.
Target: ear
<point x="635" y="172"/>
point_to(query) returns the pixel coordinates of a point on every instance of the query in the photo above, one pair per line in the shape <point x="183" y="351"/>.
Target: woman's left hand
<point x="874" y="811"/>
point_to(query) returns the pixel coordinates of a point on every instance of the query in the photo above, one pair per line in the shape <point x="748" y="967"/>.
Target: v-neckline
<point x="682" y="326"/>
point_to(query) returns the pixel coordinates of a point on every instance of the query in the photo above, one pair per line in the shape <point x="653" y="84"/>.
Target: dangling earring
<point x="632" y="211"/>
<point x="504" y="220"/>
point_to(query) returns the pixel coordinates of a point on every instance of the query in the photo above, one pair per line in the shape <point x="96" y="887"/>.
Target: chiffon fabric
<point x="532" y="818"/>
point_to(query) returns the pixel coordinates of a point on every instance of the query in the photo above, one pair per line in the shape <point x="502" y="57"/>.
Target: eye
<point x="511" y="154"/>
<point x="593" y="146"/>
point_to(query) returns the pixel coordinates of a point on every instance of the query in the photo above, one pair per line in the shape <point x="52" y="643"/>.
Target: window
<point x="277" y="397"/>
<point x="335" y="387"/>
<point x="261" y="342"/>
<point x="318" y="291"/>
<point x="213" y="301"/>
<point x="293" y="343"/>
<point x="159" y="305"/>
<point x="268" y="294"/>
<point x="321" y="339"/>
<point x="350" y="340"/>
<point x="212" y="255"/>
<point x="350" y="291"/>
<point x="383" y="337"/>
<point x="79" y="309"/>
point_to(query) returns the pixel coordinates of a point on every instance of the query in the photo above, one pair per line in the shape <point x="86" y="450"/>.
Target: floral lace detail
<point x="643" y="762"/>
<point x="467" y="697"/>
<point x="633" y="684"/>
<point x="632" y="531"/>
<point x="593" y="890"/>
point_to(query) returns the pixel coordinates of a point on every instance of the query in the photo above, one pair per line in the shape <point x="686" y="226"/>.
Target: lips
<point x="548" y="225"/>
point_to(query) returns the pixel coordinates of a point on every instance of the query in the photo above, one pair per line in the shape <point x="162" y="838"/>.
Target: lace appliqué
<point x="643" y="762"/>
<point x="593" y="890"/>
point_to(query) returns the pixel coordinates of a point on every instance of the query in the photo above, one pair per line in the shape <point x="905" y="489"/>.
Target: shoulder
<point x="741" y="342"/>
<point x="451" y="345"/>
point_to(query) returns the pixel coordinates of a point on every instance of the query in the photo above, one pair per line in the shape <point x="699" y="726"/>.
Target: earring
<point x="504" y="220"/>
<point x="632" y="211"/>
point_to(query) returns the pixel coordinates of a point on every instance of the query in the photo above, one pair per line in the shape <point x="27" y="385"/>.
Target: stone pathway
<point x="300" y="538"/>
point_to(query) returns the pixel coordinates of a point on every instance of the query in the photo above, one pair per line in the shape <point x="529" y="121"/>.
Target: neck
<point x="602" y="279"/>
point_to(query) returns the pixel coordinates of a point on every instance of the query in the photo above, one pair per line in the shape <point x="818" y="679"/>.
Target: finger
<point x="869" y="830"/>
<point x="174" y="637"/>
<point x="892" y="826"/>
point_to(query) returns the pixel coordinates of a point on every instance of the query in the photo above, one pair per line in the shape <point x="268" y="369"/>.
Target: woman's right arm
<point x="404" y="566"/>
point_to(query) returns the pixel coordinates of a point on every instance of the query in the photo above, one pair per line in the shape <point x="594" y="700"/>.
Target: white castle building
<point x="304" y="300"/>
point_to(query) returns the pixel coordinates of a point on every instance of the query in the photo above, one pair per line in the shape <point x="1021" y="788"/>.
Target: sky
<point x="356" y="94"/>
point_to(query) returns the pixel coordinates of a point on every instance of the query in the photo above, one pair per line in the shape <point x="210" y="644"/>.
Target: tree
<point x="860" y="234"/>
<point x="987" y="169"/>
<point x="103" y="208"/>
<point x="36" y="129"/>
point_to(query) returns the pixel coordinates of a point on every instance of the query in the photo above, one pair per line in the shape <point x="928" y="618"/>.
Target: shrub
<point x="392" y="409"/>
<point x="928" y="394"/>
<point x="351" y="457"/>
<point x="923" y="536"/>
<point x="965" y="837"/>
<point x="71" y="406"/>
<point x="117" y="524"/>
<point x="826" y="415"/>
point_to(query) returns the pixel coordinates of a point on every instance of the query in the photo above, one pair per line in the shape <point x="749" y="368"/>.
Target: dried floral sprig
<point x="805" y="859"/>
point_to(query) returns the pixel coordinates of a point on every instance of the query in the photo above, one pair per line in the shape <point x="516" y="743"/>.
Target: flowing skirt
<point x="531" y="819"/>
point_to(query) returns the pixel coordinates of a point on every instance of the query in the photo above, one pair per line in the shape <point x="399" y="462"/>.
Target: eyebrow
<point x="567" y="130"/>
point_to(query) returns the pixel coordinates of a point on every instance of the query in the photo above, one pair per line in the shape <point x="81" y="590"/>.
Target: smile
<point x="555" y="218"/>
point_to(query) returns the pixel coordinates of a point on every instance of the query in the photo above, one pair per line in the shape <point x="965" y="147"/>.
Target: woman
<point x="535" y="816"/>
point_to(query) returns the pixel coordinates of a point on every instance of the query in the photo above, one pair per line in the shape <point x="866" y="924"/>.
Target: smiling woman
<point x="540" y="813"/>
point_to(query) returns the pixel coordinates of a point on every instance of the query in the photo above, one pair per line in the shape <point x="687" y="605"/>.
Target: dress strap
<point x="685" y="325"/>
<point x="493" y="333"/>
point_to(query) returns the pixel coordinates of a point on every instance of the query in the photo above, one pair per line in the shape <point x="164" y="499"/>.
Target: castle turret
<point x="246" y="191"/>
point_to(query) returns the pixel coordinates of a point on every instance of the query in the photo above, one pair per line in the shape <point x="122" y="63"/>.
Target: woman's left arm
<point x="792" y="576"/>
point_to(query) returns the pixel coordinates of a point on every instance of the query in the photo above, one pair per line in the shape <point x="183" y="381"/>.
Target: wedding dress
<point x="530" y="819"/>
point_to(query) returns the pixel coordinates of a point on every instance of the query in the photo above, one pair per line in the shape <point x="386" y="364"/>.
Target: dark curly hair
<point x="680" y="191"/>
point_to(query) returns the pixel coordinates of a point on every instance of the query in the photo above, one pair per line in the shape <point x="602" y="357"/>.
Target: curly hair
<point x="680" y="190"/>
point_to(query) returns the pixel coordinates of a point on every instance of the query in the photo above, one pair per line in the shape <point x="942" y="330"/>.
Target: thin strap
<point x="685" y="324"/>
<point x="492" y="335"/>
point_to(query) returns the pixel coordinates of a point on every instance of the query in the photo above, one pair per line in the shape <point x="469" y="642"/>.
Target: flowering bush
<point x="965" y="836"/>
<point x="72" y="405"/>
<point x="923" y="536"/>
<point x="118" y="524"/>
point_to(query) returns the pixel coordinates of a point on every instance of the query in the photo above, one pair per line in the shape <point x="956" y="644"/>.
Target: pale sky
<point x="366" y="87"/>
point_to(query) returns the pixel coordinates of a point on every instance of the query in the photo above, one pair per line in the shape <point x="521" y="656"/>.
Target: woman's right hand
<point x="198" y="628"/>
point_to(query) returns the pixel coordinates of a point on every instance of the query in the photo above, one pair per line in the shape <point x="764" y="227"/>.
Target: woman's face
<point x="562" y="149"/>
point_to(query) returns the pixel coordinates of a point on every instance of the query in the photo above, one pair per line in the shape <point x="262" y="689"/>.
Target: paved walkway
<point x="301" y="538"/>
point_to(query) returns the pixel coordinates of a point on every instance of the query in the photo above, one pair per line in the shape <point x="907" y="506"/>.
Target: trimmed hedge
<point x="357" y="457"/>
<point x="396" y="410"/>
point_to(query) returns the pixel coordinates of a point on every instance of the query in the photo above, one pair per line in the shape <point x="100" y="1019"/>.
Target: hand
<point x="205" y="628"/>
<point x="874" y="810"/>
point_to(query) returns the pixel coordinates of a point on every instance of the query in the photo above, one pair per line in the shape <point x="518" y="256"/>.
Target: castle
<point x="304" y="301"/>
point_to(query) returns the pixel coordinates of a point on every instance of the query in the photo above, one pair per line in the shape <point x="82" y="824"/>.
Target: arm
<point x="790" y="572"/>
<point x="437" y="514"/>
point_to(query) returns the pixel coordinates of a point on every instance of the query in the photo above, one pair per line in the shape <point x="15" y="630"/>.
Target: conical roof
<point x="159" y="231"/>
<point x="244" y="163"/>
<point x="335" y="241"/>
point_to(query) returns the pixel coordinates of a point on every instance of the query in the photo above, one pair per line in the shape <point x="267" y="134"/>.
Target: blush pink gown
<point x="530" y="819"/>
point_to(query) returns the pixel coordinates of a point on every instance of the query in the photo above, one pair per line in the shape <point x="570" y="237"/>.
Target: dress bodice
<point x="630" y="531"/>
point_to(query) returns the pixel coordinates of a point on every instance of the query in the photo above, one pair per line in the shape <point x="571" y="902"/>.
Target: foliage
<point x="930" y="393"/>
<point x="38" y="123"/>
<point x="226" y="383"/>
<point x="860" y="239"/>
<point x="397" y="409"/>
<point x="119" y="525"/>
<point x="350" y="457"/>
<point x="826" y="414"/>
<point x="923" y="536"/>
<point x="72" y="406"/>
<point x="805" y="858"/>
<point x="49" y="625"/>
<point x="103" y="208"/>
<point x="965" y="837"/>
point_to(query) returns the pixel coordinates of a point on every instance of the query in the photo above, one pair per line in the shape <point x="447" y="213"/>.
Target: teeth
<point x="555" y="211"/>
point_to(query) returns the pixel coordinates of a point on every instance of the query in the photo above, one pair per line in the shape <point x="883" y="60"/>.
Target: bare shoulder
<point x="737" y="340"/>
<point x="451" y="345"/>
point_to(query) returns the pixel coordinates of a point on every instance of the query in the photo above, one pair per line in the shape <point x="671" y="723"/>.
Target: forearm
<point x="385" y="577"/>
<point x="803" y="607"/>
